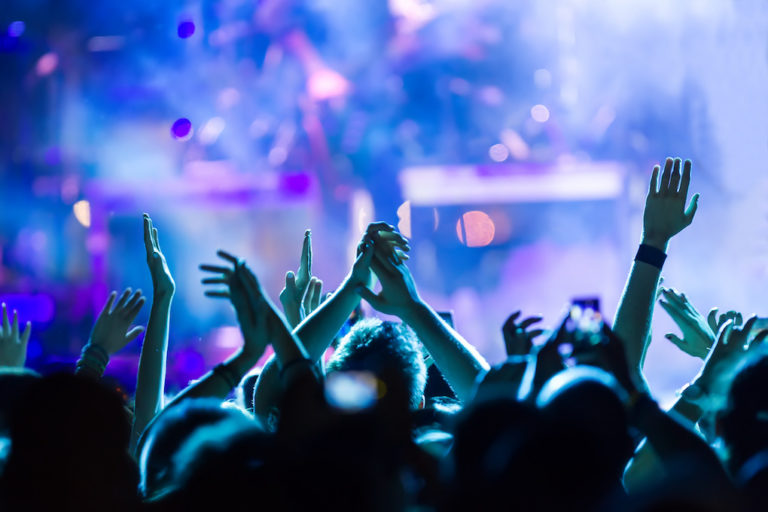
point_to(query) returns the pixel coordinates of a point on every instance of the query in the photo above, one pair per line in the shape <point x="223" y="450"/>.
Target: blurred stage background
<point x="512" y="141"/>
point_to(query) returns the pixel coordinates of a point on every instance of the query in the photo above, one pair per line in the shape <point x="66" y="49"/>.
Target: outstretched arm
<point x="665" y="215"/>
<point x="454" y="356"/>
<point x="150" y="382"/>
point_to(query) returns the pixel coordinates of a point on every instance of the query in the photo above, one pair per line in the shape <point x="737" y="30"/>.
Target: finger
<point x="379" y="226"/>
<point x="529" y="322"/>
<point x="217" y="269"/>
<point x="310" y="295"/>
<point x="673" y="297"/>
<point x="534" y="333"/>
<point x="132" y="301"/>
<point x="215" y="280"/>
<point x="134" y="311"/>
<point x="15" y="325"/>
<point x="712" y="319"/>
<point x="690" y="212"/>
<point x="217" y="294"/>
<point x="365" y="257"/>
<point x="133" y="334"/>
<point x="108" y="306"/>
<point x="510" y="321"/>
<point x="749" y="325"/>
<point x="290" y="283"/>
<point x="155" y="239"/>
<point x="653" y="189"/>
<point x="674" y="180"/>
<point x="147" y="237"/>
<point x="685" y="180"/>
<point x="305" y="265"/>
<point x="725" y="332"/>
<point x="227" y="256"/>
<point x="665" y="177"/>
<point x="318" y="294"/>
<point x="737" y="318"/>
<point x="28" y="331"/>
<point x="123" y="299"/>
<point x="394" y="237"/>
<point x="758" y="339"/>
<point x="6" y="325"/>
<point x="671" y="310"/>
<point x="676" y="340"/>
<point x="370" y="297"/>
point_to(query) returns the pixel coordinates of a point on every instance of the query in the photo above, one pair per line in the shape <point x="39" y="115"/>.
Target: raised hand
<point x="390" y="245"/>
<point x="698" y="337"/>
<point x="732" y="343"/>
<point x="518" y="339"/>
<point x="249" y="302"/>
<point x="13" y="345"/>
<point x="665" y="212"/>
<point x="112" y="330"/>
<point x="715" y="322"/>
<point x="398" y="295"/>
<point x="162" y="281"/>
<point x="298" y="285"/>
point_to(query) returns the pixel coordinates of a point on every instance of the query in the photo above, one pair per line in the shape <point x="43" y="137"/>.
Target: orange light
<point x="475" y="229"/>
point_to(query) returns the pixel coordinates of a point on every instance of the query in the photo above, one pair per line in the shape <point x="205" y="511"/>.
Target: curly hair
<point x="374" y="345"/>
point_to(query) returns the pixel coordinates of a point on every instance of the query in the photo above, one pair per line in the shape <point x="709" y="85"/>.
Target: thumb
<point x="374" y="300"/>
<point x="674" y="339"/>
<point x="691" y="211"/>
<point x="133" y="334"/>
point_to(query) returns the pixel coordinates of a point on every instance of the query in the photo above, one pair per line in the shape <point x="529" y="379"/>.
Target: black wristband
<point x="651" y="255"/>
<point x="226" y="374"/>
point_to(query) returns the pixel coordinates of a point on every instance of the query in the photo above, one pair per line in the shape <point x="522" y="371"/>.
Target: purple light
<point x="186" y="29"/>
<point x="181" y="128"/>
<point x="16" y="28"/>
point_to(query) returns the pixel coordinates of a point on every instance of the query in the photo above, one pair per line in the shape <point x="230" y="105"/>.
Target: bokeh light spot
<point x="47" y="64"/>
<point x="540" y="113"/>
<point x="498" y="152"/>
<point x="182" y="128"/>
<point x="16" y="28"/>
<point x="185" y="29"/>
<point x="475" y="229"/>
<point x="404" y="216"/>
<point x="82" y="211"/>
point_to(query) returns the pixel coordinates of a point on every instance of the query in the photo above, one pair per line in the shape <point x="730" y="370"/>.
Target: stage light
<point x="277" y="156"/>
<point x="498" y="152"/>
<point x="475" y="229"/>
<point x="211" y="131"/>
<point x="185" y="29"/>
<point x="47" y="64"/>
<point x="404" y="216"/>
<point x="16" y="28"/>
<point x="82" y="211"/>
<point x="540" y="113"/>
<point x="182" y="129"/>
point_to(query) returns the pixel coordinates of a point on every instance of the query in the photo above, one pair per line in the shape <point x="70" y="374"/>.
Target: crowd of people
<point x="354" y="413"/>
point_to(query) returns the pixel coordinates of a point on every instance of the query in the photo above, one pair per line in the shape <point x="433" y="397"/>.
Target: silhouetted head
<point x="743" y="423"/>
<point x="589" y="400"/>
<point x="69" y="448"/>
<point x="381" y="347"/>
<point x="165" y="437"/>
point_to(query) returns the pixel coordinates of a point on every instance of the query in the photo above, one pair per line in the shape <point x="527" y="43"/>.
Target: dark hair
<point x="380" y="346"/>
<point x="70" y="434"/>
<point x="166" y="435"/>
<point x="744" y="422"/>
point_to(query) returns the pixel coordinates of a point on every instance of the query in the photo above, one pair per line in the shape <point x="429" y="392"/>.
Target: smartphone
<point x="587" y="303"/>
